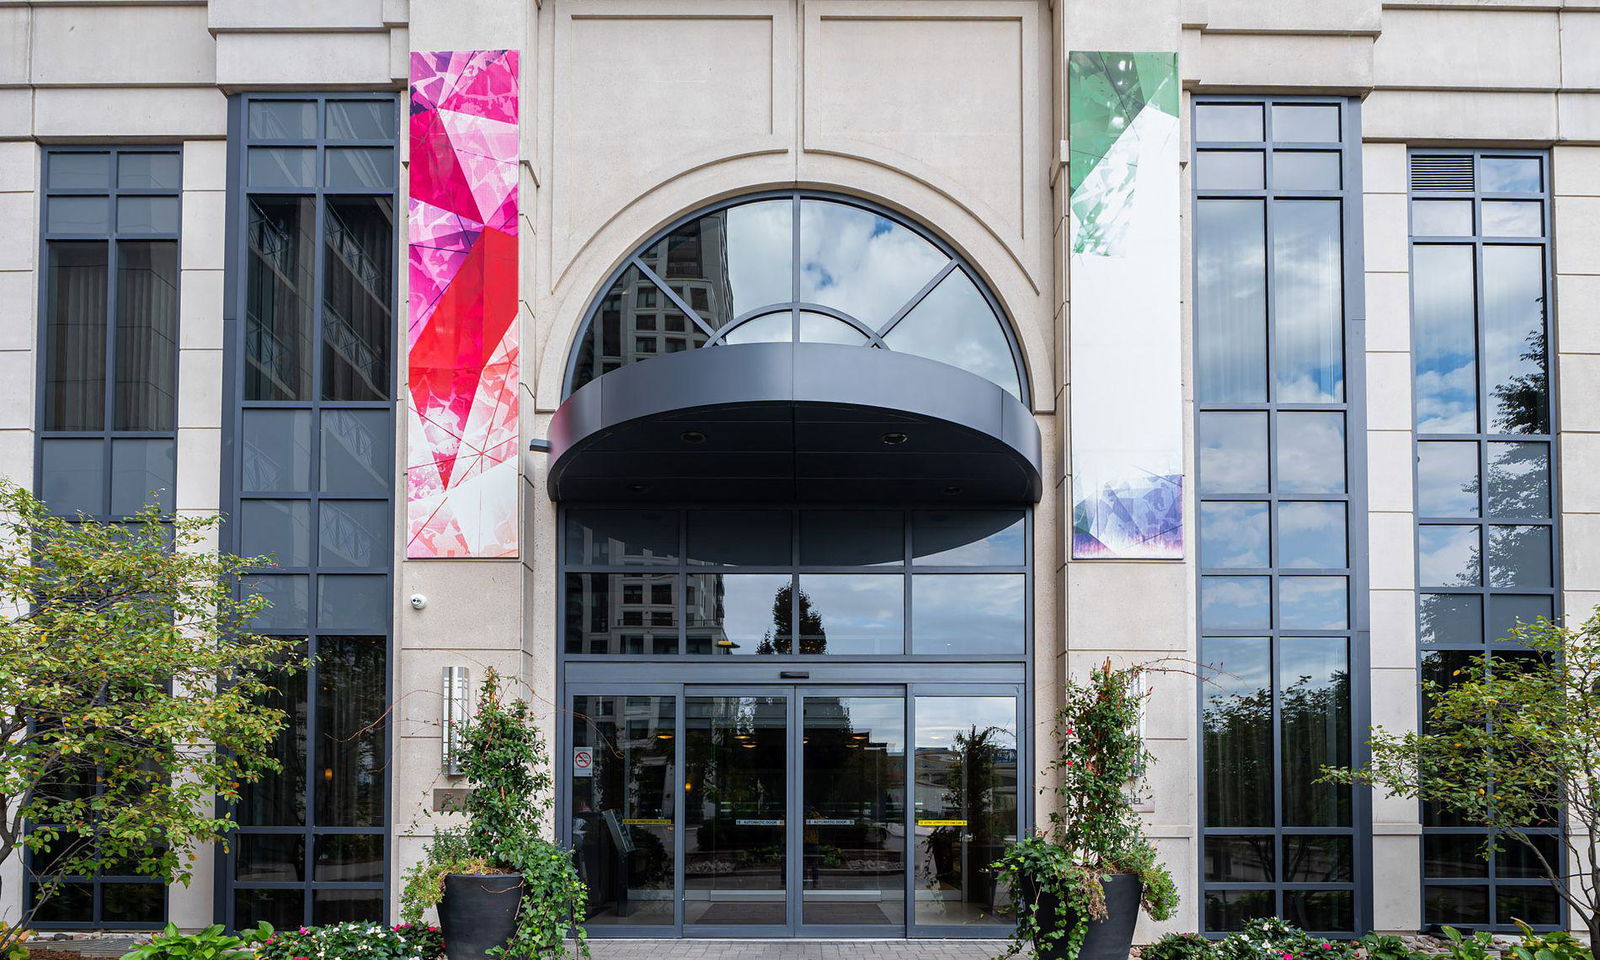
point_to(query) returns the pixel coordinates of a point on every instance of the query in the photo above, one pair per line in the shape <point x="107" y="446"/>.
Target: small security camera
<point x="418" y="601"/>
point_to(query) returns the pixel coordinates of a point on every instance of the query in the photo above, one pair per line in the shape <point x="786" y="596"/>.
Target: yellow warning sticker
<point x="941" y="823"/>
<point x="645" y="822"/>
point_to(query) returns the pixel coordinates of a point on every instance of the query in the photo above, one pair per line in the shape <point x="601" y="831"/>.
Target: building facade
<point x="788" y="394"/>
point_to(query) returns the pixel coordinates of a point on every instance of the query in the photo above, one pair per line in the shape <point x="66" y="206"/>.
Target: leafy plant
<point x="1378" y="946"/>
<point x="209" y="944"/>
<point x="1271" y="938"/>
<point x="507" y="767"/>
<point x="16" y="947"/>
<point x="121" y="645"/>
<point x="1553" y="945"/>
<point x="1095" y="830"/>
<point x="1180" y="946"/>
<point x="369" y="941"/>
<point x="1459" y="946"/>
<point x="1510" y="741"/>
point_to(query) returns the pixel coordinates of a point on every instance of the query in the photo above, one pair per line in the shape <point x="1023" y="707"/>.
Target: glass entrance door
<point x="736" y="810"/>
<point x="794" y="810"/>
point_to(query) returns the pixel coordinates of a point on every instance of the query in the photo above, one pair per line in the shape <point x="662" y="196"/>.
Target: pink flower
<point x="1327" y="946"/>
<point x="1287" y="955"/>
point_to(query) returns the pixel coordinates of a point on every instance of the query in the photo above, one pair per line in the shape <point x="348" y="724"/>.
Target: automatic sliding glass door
<point x="736" y="810"/>
<point x="853" y="798"/>
<point x="784" y="810"/>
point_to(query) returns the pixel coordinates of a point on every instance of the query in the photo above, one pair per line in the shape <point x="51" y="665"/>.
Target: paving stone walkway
<point x="795" y="949"/>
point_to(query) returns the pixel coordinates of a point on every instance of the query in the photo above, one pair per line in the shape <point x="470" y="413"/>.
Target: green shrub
<point x="1554" y="945"/>
<point x="1379" y="946"/>
<point x="1270" y="938"/>
<point x="1180" y="946"/>
<point x="209" y="944"/>
<point x="1459" y="946"/>
<point x="368" y="941"/>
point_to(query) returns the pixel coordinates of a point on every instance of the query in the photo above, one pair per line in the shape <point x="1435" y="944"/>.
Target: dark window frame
<point x="1482" y="437"/>
<point x="1352" y="407"/>
<point x="234" y="494"/>
<point x="108" y="432"/>
<point x="708" y="335"/>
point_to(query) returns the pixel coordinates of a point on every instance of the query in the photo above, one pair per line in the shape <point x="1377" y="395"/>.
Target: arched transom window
<point x="797" y="267"/>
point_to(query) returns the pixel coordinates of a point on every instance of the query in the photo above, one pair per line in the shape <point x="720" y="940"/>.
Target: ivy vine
<point x="1095" y="830"/>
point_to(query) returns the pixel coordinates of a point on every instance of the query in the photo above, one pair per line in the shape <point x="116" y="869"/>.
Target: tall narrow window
<point x="1487" y="538"/>
<point x="312" y="486"/>
<point x="1282" y="606"/>
<point x="108" y="410"/>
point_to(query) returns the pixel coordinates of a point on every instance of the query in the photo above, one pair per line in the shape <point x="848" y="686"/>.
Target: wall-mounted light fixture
<point x="452" y="717"/>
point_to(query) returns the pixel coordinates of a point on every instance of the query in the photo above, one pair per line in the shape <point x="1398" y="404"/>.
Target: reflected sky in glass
<point x="1519" y="556"/>
<point x="1232" y="603"/>
<point x="953" y="324"/>
<point x="1444" y="348"/>
<point x="747" y="622"/>
<point x="1447" y="555"/>
<point x="1308" y="301"/>
<point x="1509" y="175"/>
<point x="1234" y="534"/>
<point x="1514" y="335"/>
<point x="1233" y="452"/>
<point x="1311" y="452"/>
<point x="964" y="538"/>
<point x="858" y="614"/>
<point x="1311" y="535"/>
<point x="1313" y="603"/>
<point x="1447" y="479"/>
<point x="967" y="613"/>
<point x="759" y="252"/>
<point x="1519" y="480"/>
<point x="1231" y="301"/>
<point x="859" y="262"/>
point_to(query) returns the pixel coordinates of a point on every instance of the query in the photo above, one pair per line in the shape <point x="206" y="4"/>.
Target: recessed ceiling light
<point x="951" y="490"/>
<point x="894" y="439"/>
<point x="692" y="436"/>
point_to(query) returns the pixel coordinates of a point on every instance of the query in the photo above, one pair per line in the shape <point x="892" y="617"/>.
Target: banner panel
<point x="461" y="468"/>
<point x="1126" y="320"/>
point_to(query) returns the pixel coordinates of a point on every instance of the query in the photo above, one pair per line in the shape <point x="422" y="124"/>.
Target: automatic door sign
<point x="741" y="822"/>
<point x="583" y="761"/>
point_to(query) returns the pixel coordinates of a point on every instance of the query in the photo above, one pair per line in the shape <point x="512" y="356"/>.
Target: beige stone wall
<point x="951" y="111"/>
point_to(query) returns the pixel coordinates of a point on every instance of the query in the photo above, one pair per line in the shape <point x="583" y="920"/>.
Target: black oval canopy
<point x="794" y="422"/>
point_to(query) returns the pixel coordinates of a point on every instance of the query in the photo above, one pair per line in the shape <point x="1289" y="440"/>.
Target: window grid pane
<point x="1280" y="516"/>
<point x="108" y="370"/>
<point x="314" y="427"/>
<point x="1485" y="449"/>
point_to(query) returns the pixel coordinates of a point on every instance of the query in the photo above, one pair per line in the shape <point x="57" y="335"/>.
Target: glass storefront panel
<point x="853" y="838"/>
<point x="623" y="807"/>
<point x="735" y="810"/>
<point x="965" y="804"/>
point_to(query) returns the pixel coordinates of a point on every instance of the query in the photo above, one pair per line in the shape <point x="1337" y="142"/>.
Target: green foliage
<point x="1378" y="946"/>
<point x="122" y="646"/>
<point x="209" y="944"/>
<point x="507" y="767"/>
<point x="1511" y="741"/>
<point x="1479" y="946"/>
<point x="1095" y="830"/>
<point x="341" y="941"/>
<point x="1180" y="946"/>
<point x="1553" y="945"/>
<point x="1270" y="938"/>
<point x="14" y="940"/>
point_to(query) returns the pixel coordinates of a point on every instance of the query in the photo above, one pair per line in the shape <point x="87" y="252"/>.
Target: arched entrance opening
<point x="795" y="475"/>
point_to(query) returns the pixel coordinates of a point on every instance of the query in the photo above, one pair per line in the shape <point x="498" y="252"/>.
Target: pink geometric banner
<point x="461" y="471"/>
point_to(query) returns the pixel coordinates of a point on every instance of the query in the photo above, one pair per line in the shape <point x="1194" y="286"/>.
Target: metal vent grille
<point x="1453" y="174"/>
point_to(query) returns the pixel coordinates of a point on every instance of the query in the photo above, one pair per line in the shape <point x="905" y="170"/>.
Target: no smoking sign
<point x="582" y="762"/>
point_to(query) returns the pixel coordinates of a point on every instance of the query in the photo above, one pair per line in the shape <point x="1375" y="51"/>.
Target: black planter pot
<point x="1108" y="939"/>
<point x="478" y="912"/>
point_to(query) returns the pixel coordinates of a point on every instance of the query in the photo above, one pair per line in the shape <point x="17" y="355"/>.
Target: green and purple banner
<point x="1126" y="322"/>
